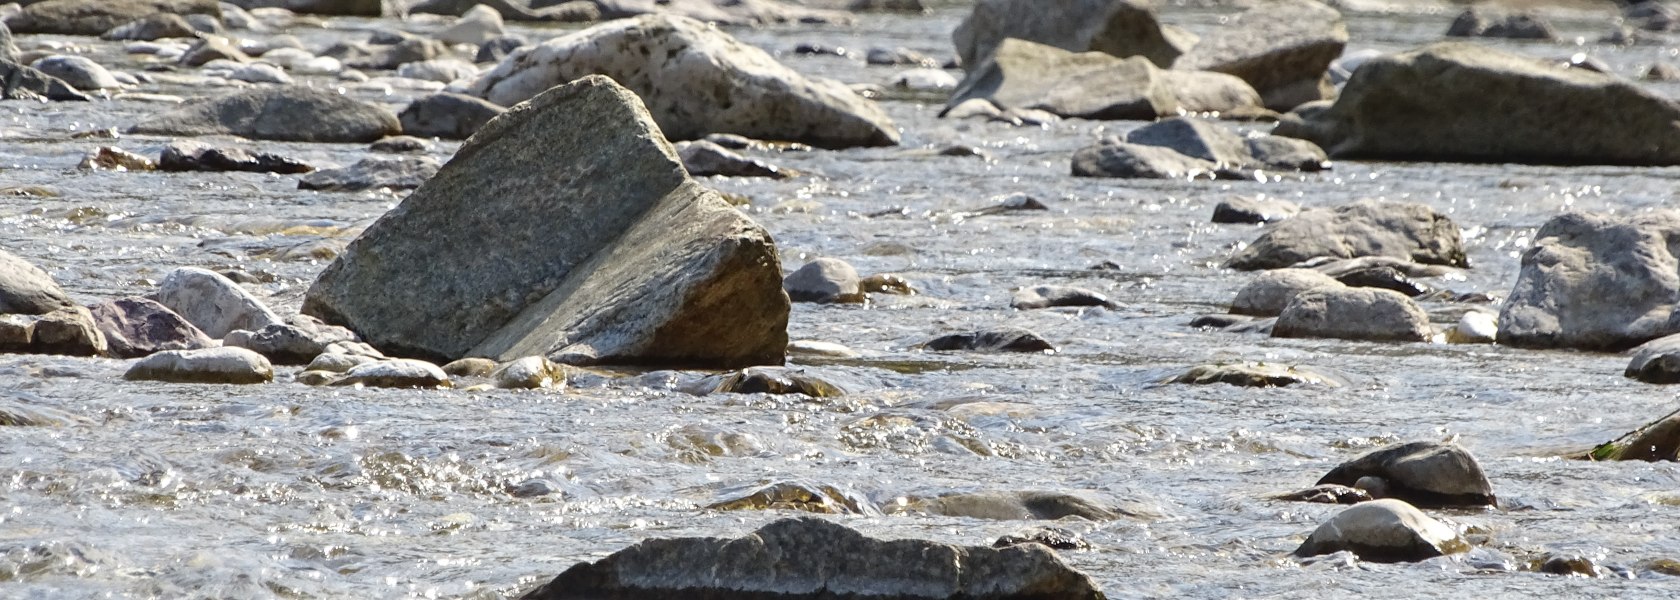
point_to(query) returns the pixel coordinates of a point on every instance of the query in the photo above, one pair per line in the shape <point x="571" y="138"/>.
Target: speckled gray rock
<point x="832" y="562"/>
<point x="94" y="17"/>
<point x="1596" y="282"/>
<point x="1281" y="47"/>
<point x="1268" y="294"/>
<point x="572" y="232"/>
<point x="207" y="365"/>
<point x="395" y="373"/>
<point x="1462" y="102"/>
<point x="1383" y="531"/>
<point x="389" y="172"/>
<point x="1112" y="157"/>
<point x="26" y="289"/>
<point x="136" y="327"/>
<point x="1406" y="231"/>
<point x="211" y="302"/>
<point x="1118" y="27"/>
<point x="1427" y="474"/>
<point x="664" y="59"/>
<point x="448" y="116"/>
<point x="824" y="280"/>
<point x="78" y="71"/>
<point x="1353" y="314"/>
<point x="294" y="114"/>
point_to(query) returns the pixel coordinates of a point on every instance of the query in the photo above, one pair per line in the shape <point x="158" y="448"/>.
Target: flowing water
<point x="288" y="491"/>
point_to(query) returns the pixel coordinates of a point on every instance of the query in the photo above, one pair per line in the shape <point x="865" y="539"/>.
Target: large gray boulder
<point x="288" y="114"/>
<point x="1427" y="474"/>
<point x="566" y="227"/>
<point x="1462" y="102"/>
<point x="1268" y="294"/>
<point x="809" y="558"/>
<point x="695" y="80"/>
<point x="1596" y="282"/>
<point x="26" y="289"/>
<point x="94" y="17"/>
<point x="1368" y="314"/>
<point x="1384" y="531"/>
<point x="1406" y="231"/>
<point x="212" y="302"/>
<point x="1281" y="47"/>
<point x="1120" y="28"/>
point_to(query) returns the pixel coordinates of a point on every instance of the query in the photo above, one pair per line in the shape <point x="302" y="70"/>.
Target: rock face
<point x="1657" y="440"/>
<point x="571" y="231"/>
<point x="1281" y="47"/>
<point x="1383" y="531"/>
<point x="1268" y="294"/>
<point x="695" y="80"/>
<point x="211" y="302"/>
<point x="1092" y="85"/>
<point x="1405" y="231"/>
<point x="208" y="365"/>
<point x="1427" y="474"/>
<point x="135" y="327"/>
<point x="1117" y="27"/>
<point x="810" y="559"/>
<point x="26" y="289"/>
<point x="1461" y="102"/>
<point x="94" y="17"/>
<point x="291" y="114"/>
<point x="1353" y="314"/>
<point x="1596" y="282"/>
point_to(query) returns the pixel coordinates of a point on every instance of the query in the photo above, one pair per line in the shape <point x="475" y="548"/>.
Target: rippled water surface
<point x="282" y="490"/>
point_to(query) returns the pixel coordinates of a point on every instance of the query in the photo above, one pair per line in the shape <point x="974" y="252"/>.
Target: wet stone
<point x="334" y="362"/>
<point x="470" y="367"/>
<point x="1268" y="294"/>
<point x="1328" y="494"/>
<point x="112" y="158"/>
<point x="1657" y="440"/>
<point x="1385" y="278"/>
<point x="706" y="159"/>
<point x="388" y="172"/>
<point x="1008" y="506"/>
<point x="401" y="144"/>
<point x="530" y="373"/>
<point x="806" y="496"/>
<point x="1046" y="296"/>
<point x="190" y="155"/>
<point x="1428" y="474"/>
<point x="886" y="283"/>
<point x="824" y="280"/>
<point x="1254" y="210"/>
<point x="768" y="380"/>
<point x="208" y="365"/>
<point x="992" y="340"/>
<point x="281" y="343"/>
<point x="1056" y="538"/>
<point x="396" y="373"/>
<point x="1257" y="375"/>
<point x="1383" y="531"/>
<point x="1570" y="565"/>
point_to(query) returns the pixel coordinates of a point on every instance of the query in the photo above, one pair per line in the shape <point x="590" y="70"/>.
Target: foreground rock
<point x="810" y="558"/>
<point x="1407" y="231"/>
<point x="1427" y="474"/>
<point x="1383" y="531"/>
<point x="212" y="302"/>
<point x="612" y="255"/>
<point x="1367" y="314"/>
<point x="136" y="327"/>
<point x="291" y="114"/>
<point x="1120" y="28"/>
<point x="825" y="281"/>
<point x="1094" y="85"/>
<point x="665" y="59"/>
<point x="1281" y="47"/>
<point x="1473" y="104"/>
<point x="1596" y="282"/>
<point x="1268" y="294"/>
<point x="208" y="365"/>
<point x="1658" y="440"/>
<point x="94" y="17"/>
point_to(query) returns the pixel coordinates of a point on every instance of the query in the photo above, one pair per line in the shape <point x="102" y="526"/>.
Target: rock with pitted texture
<point x="1596" y="282"/>
<point x="1427" y="474"/>
<point x="292" y="114"/>
<point x="1384" y="531"/>
<point x="1405" y="231"/>
<point x="207" y="365"/>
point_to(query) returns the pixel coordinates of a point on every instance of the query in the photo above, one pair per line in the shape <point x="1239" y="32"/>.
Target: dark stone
<point x="188" y="155"/>
<point x="1427" y="474"/>
<point x="448" y="116"/>
<point x="1386" y="278"/>
<point x="1055" y="538"/>
<point x="992" y="340"/>
<point x="136" y="327"/>
<point x="1046" y="296"/>
<point x="389" y="172"/>
<point x="1254" y="210"/>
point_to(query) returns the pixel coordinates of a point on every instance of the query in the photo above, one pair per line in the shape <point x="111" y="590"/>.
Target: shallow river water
<point x="289" y="491"/>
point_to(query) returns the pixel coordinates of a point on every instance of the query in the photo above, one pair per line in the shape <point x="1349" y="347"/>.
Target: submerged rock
<point x="207" y="365"/>
<point x="798" y="495"/>
<point x="1657" y="440"/>
<point x="1596" y="282"/>
<point x="1461" y="102"/>
<point x="664" y="59"/>
<point x="1427" y="474"/>
<point x="1327" y="494"/>
<point x="824" y="280"/>
<point x="1406" y="231"/>
<point x="136" y="327"/>
<point x="1257" y="375"/>
<point x="1117" y="27"/>
<point x="1353" y="314"/>
<point x="768" y="380"/>
<point x="287" y="113"/>
<point x="1383" y="531"/>
<point x="832" y="562"/>
<point x="610" y="254"/>
<point x="1046" y="296"/>
<point x="993" y="340"/>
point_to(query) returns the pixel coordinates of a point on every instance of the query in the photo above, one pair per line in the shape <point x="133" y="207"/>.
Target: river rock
<point x="767" y="380"/>
<point x="1113" y="157"/>
<point x="26" y="289"/>
<point x="207" y="365"/>
<point x="446" y="115"/>
<point x="346" y="8"/>
<point x="1656" y="361"/>
<point x="441" y="70"/>
<point x="211" y="302"/>
<point x="373" y="172"/>
<point x="1426" y="474"/>
<point x="1046" y="296"/>
<point x="604" y="250"/>
<point x="664" y="59"/>
<point x="497" y="49"/>
<point x="291" y="114"/>
<point x="573" y="11"/>
<point x="1013" y="506"/>
<point x="395" y="373"/>
<point x="807" y="496"/>
<point x="1211" y="92"/>
<point x="1657" y="440"/>
<point x="68" y="331"/>
<point x="136" y="327"/>
<point x="1272" y="291"/>
<point x="1353" y="314"/>
<point x="1005" y="339"/>
<point x="1251" y="374"/>
<point x="1578" y="263"/>
<point x="530" y="373"/>
<point x="1365" y="228"/>
<point x="706" y="159"/>
<point x="211" y="48"/>
<point x="401" y="144"/>
<point x="334" y="362"/>
<point x="94" y="17"/>
<point x="1478" y="21"/>
<point x="191" y="155"/>
<point x="78" y="71"/>
<point x="393" y="53"/>
<point x="824" y="280"/>
<point x="1120" y="28"/>
<point x="112" y="158"/>
<point x="260" y="73"/>
<point x="1385" y="278"/>
<point x="1475" y="104"/>
<point x="833" y="562"/>
<point x="1089" y="85"/>
<point x="1281" y="47"/>
<point x="281" y="343"/>
<point x="22" y="82"/>
<point x="1280" y="153"/>
<point x="722" y="12"/>
<point x="478" y="25"/>
<point x="1475" y="327"/>
<point x="1327" y="494"/>
<point x="152" y="27"/>
<point x="1056" y="538"/>
<point x="1383" y="531"/>
<point x="1195" y="138"/>
<point x="1254" y="209"/>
